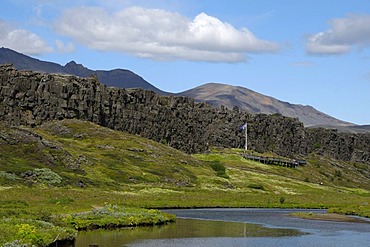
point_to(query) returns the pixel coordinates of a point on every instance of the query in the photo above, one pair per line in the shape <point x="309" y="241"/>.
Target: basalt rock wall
<point x="341" y="146"/>
<point x="31" y="98"/>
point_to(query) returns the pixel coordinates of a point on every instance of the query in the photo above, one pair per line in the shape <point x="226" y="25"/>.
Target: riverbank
<point x="26" y="232"/>
<point x="41" y="216"/>
<point x="328" y="217"/>
<point x="49" y="214"/>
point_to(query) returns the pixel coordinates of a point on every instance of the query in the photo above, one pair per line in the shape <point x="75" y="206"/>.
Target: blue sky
<point x="310" y="52"/>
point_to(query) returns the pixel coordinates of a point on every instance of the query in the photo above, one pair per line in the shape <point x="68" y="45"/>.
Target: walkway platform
<point x="291" y="163"/>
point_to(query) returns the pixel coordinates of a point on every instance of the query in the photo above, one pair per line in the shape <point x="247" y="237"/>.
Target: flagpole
<point x="246" y="136"/>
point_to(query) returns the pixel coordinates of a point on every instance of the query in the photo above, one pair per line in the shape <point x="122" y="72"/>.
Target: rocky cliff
<point x="31" y="98"/>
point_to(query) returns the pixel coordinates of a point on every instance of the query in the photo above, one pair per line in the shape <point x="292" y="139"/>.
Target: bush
<point x="219" y="168"/>
<point x="43" y="175"/>
<point x="282" y="200"/>
<point x="24" y="233"/>
<point x="8" y="176"/>
<point x="338" y="173"/>
<point x="28" y="233"/>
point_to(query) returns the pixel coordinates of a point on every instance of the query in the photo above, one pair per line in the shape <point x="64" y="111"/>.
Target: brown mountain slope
<point x="220" y="94"/>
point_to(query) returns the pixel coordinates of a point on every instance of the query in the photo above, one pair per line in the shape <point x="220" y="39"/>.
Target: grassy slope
<point x="99" y="165"/>
<point x="88" y="155"/>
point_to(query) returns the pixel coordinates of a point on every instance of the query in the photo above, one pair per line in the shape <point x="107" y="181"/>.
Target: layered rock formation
<point x="31" y="98"/>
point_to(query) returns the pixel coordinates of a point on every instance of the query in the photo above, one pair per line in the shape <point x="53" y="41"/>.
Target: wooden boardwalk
<point x="291" y="163"/>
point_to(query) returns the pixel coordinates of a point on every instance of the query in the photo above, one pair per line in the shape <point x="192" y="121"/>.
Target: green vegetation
<point x="282" y="200"/>
<point x="361" y="210"/>
<point x="219" y="168"/>
<point x="113" y="216"/>
<point x="68" y="175"/>
<point x="41" y="223"/>
<point x="27" y="232"/>
<point x="43" y="176"/>
<point x="327" y="217"/>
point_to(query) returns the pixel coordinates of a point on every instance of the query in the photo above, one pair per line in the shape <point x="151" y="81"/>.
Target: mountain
<point x="121" y="78"/>
<point x="220" y="94"/>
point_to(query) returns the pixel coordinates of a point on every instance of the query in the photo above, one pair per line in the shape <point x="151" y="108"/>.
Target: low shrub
<point x="8" y="176"/>
<point x="43" y="176"/>
<point x="282" y="200"/>
<point x="219" y="168"/>
<point x="23" y="233"/>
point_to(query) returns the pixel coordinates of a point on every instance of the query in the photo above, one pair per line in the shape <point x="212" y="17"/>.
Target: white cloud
<point x="345" y="34"/>
<point x="160" y="35"/>
<point x="21" y="40"/>
<point x="64" y="48"/>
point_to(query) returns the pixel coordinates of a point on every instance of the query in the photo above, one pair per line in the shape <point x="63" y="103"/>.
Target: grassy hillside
<point x="87" y="155"/>
<point x="72" y="166"/>
<point x="77" y="159"/>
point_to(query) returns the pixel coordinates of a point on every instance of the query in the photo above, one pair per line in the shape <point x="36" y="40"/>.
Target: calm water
<point x="234" y="227"/>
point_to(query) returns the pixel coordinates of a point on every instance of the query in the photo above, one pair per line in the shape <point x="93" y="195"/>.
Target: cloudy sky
<point x="310" y="52"/>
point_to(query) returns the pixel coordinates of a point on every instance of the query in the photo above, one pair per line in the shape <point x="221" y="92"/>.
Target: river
<point x="234" y="227"/>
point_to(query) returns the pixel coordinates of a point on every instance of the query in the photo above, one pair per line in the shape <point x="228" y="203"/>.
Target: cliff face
<point x="31" y="98"/>
<point x="342" y="146"/>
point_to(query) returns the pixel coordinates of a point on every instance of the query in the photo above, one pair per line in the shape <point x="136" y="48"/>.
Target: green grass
<point x="99" y="157"/>
<point x="328" y="217"/>
<point x="27" y="232"/>
<point x="42" y="215"/>
<point x="72" y="167"/>
<point x="114" y="216"/>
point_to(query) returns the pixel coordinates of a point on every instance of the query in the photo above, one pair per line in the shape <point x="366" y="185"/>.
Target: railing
<point x="291" y="163"/>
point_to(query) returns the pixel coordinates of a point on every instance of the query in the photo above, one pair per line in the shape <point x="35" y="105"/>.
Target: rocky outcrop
<point x="342" y="146"/>
<point x="32" y="98"/>
<point x="49" y="153"/>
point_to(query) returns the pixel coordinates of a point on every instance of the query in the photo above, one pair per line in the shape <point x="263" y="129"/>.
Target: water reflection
<point x="226" y="227"/>
<point x="182" y="229"/>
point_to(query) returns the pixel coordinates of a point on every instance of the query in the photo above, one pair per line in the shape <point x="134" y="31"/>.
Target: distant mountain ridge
<point x="121" y="78"/>
<point x="218" y="94"/>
